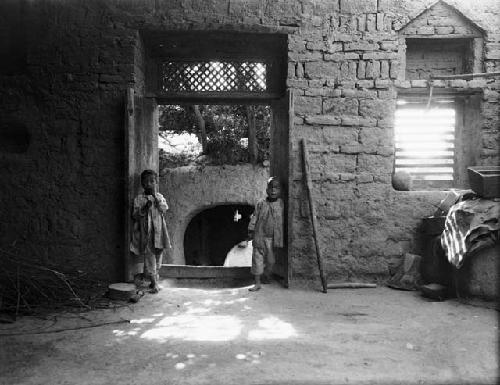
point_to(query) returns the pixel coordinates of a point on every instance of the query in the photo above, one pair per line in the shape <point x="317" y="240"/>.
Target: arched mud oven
<point x="202" y="193"/>
<point x="212" y="233"/>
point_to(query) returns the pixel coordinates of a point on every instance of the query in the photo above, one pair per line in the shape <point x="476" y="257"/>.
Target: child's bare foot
<point x="254" y="288"/>
<point x="154" y="290"/>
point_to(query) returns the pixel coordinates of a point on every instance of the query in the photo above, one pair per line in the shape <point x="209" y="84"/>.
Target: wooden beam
<point x="465" y="76"/>
<point x="186" y="271"/>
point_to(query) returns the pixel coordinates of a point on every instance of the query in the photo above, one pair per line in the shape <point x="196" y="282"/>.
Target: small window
<point x="425" y="142"/>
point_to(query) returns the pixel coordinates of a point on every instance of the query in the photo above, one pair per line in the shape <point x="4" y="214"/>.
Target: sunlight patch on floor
<point x="196" y="328"/>
<point x="199" y="327"/>
<point x="272" y="328"/>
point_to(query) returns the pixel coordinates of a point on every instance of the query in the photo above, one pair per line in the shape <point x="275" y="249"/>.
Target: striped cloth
<point x="470" y="226"/>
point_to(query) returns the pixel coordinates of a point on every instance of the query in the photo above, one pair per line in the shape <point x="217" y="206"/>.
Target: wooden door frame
<point x="133" y="165"/>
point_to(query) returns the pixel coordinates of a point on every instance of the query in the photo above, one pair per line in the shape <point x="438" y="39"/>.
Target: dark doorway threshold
<point x="205" y="272"/>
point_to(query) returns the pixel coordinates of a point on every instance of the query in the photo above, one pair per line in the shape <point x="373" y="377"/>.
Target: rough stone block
<point x="361" y="69"/>
<point x="387" y="94"/>
<point x="324" y="120"/>
<point x="371" y="22"/>
<point x="425" y="31"/>
<point x="347" y="71"/>
<point x="375" y="137"/>
<point x="376" y="108"/>
<point x="351" y="149"/>
<point x="372" y="69"/>
<point x="316" y="83"/>
<point x="299" y="70"/>
<point x="492" y="54"/>
<point x="374" y="164"/>
<point x="317" y="91"/>
<point x="315" y="45"/>
<point x="444" y="30"/>
<point x="297" y="83"/>
<point x="340" y="106"/>
<point x="341" y="163"/>
<point x="336" y="57"/>
<point x="361" y="23"/>
<point x="405" y="84"/>
<point x="358" y="6"/>
<point x="346" y="84"/>
<point x="307" y="105"/>
<point x="364" y="178"/>
<point x="380" y="21"/>
<point x="388" y="45"/>
<point x="365" y="83"/>
<point x="341" y="36"/>
<point x="332" y="47"/>
<point x="337" y="136"/>
<point x="296" y="43"/>
<point x="304" y="56"/>
<point x="385" y="150"/>
<point x="321" y="70"/>
<point x="439" y="83"/>
<point x="380" y="55"/>
<point x="361" y="46"/>
<point x="383" y="83"/>
<point x="358" y="121"/>
<point x="347" y="176"/>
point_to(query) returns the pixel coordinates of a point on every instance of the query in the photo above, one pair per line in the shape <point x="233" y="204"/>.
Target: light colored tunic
<point x="267" y="222"/>
<point x="150" y="229"/>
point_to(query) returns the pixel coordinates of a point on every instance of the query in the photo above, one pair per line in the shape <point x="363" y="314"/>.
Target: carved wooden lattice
<point x="213" y="76"/>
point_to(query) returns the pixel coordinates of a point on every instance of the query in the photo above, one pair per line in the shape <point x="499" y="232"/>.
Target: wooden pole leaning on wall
<point x="312" y="210"/>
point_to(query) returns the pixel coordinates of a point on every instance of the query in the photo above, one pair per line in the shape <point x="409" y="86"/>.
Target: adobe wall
<point x="66" y="66"/>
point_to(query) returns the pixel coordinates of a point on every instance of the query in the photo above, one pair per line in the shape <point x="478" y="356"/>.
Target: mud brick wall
<point x="65" y="68"/>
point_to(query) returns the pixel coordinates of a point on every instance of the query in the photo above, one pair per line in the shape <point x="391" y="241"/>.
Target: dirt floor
<point x="275" y="336"/>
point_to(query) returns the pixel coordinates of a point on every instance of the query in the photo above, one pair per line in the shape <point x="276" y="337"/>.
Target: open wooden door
<point x="281" y="124"/>
<point x="141" y="152"/>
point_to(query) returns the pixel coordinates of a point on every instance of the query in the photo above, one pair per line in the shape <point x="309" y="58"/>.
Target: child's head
<point x="148" y="181"/>
<point x="273" y="188"/>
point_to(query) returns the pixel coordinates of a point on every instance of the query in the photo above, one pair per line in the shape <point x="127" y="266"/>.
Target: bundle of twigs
<point x="27" y="288"/>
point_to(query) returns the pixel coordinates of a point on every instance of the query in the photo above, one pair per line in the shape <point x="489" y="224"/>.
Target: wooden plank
<point x="214" y="97"/>
<point x="351" y="285"/>
<point x="186" y="271"/>
<point x="312" y="210"/>
<point x="466" y="76"/>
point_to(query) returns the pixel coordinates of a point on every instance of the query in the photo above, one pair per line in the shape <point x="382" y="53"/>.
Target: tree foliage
<point x="224" y="127"/>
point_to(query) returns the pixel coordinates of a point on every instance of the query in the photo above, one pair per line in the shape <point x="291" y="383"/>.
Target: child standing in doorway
<point x="150" y="236"/>
<point x="266" y="231"/>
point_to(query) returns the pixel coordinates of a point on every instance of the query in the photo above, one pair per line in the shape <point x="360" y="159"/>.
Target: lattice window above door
<point x="213" y="76"/>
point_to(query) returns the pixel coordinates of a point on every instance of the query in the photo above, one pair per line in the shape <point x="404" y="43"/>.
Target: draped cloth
<point x="470" y="226"/>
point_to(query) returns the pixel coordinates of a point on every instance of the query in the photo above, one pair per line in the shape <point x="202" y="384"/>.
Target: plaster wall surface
<point x="66" y="66"/>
